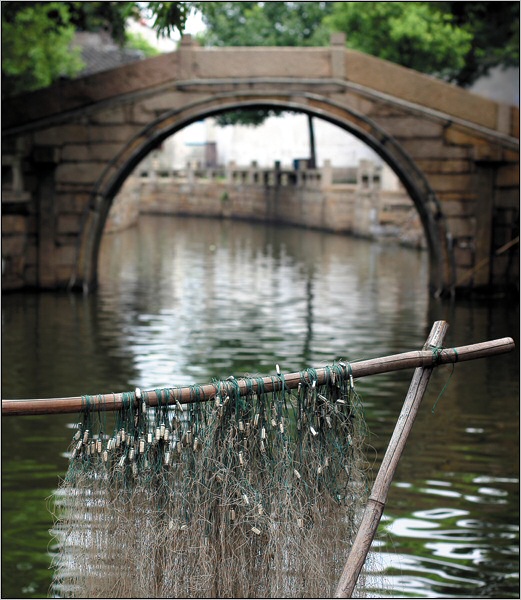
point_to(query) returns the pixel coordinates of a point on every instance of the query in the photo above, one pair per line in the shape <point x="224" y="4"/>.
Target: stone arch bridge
<point x="67" y="149"/>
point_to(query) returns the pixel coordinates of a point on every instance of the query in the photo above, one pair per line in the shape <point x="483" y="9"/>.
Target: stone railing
<point x="366" y="175"/>
<point x="252" y="175"/>
<point x="348" y="200"/>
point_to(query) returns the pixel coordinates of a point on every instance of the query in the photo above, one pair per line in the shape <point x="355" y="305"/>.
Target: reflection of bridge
<point x="67" y="150"/>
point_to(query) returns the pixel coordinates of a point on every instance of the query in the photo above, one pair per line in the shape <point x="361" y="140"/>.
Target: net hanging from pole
<point x="254" y="493"/>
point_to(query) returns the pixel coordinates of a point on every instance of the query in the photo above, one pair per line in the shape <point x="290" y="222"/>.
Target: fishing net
<point x="254" y="493"/>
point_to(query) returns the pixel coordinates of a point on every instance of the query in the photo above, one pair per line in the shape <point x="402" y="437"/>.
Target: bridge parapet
<point x="192" y="66"/>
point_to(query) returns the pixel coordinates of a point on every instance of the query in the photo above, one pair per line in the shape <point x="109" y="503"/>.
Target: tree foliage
<point x="36" y="36"/>
<point x="136" y="41"/>
<point x="413" y="34"/>
<point x="103" y="16"/>
<point x="456" y="41"/>
<point x="495" y="36"/>
<point x="169" y="17"/>
<point x="36" y="41"/>
<point x="265" y="23"/>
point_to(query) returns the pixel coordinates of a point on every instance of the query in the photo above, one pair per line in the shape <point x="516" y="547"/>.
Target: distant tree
<point x="265" y="23"/>
<point x="136" y="41"/>
<point x="103" y="16"/>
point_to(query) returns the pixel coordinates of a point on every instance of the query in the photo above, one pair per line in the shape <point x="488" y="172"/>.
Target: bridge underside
<point x="64" y="170"/>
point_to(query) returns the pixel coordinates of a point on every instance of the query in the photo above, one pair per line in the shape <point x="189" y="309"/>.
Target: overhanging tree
<point x="456" y="41"/>
<point x="37" y="36"/>
<point x="495" y="36"/>
<point x="36" y="40"/>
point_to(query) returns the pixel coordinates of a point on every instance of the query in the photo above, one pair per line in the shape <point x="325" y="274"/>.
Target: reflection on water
<point x="184" y="301"/>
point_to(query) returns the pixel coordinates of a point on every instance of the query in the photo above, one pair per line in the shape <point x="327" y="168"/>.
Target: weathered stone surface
<point x="13" y="245"/>
<point x="63" y="275"/>
<point x="32" y="224"/>
<point x="71" y="202"/>
<point x="82" y="172"/>
<point x="462" y="226"/>
<point x="168" y="101"/>
<point x="492" y="153"/>
<point x="82" y="93"/>
<point x="87" y="152"/>
<point x="445" y="166"/>
<point x="31" y="254"/>
<point x="66" y="256"/>
<point x="114" y="115"/>
<point x="461" y="196"/>
<point x="13" y="272"/>
<point x="458" y="208"/>
<point x="249" y="62"/>
<point x="417" y="88"/>
<point x="30" y="277"/>
<point x="111" y="134"/>
<point x="464" y="257"/>
<point x="508" y="198"/>
<point x="435" y="149"/>
<point x="68" y="224"/>
<point x="74" y="133"/>
<point x="412" y="127"/>
<point x="73" y="187"/>
<point x="450" y="182"/>
<point x="508" y="176"/>
<point x="14" y="224"/>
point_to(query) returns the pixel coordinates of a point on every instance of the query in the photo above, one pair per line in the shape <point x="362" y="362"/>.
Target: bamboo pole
<point x="185" y="395"/>
<point x="376" y="503"/>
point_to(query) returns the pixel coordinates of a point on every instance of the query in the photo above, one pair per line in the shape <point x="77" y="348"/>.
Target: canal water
<point x="184" y="301"/>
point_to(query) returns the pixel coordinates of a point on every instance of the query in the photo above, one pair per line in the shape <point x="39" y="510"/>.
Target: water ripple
<point x="183" y="301"/>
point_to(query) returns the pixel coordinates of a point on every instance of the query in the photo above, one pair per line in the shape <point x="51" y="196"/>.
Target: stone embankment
<point x="349" y="201"/>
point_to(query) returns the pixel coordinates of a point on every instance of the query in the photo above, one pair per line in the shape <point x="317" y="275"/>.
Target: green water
<point x="184" y="301"/>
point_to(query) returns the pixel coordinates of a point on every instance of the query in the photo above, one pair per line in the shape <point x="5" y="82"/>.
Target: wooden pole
<point x="483" y="263"/>
<point x="376" y="503"/>
<point x="186" y="395"/>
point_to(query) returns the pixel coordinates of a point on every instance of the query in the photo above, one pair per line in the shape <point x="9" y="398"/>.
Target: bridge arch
<point x="348" y="119"/>
<point x="67" y="149"/>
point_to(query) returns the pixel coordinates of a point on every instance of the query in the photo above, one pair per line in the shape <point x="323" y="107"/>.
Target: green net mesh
<point x="250" y="494"/>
